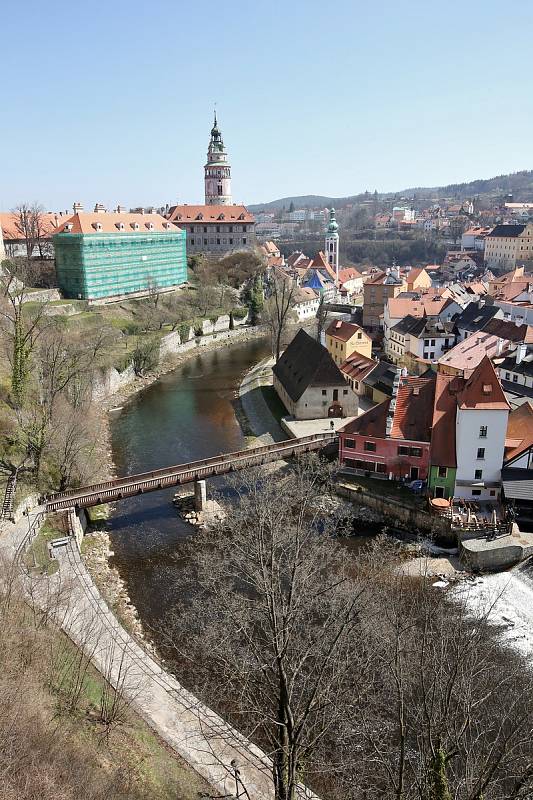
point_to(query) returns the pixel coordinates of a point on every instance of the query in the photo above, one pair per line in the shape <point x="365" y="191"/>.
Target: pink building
<point x="392" y="439"/>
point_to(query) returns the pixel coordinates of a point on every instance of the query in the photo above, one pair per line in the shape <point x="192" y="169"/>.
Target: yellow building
<point x="345" y="338"/>
<point x="417" y="279"/>
<point x="509" y="245"/>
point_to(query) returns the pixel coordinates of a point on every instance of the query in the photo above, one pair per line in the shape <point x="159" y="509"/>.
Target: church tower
<point x="332" y="243"/>
<point x="217" y="171"/>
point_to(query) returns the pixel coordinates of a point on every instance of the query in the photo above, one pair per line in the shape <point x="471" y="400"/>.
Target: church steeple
<point x="217" y="171"/>
<point x="332" y="243"/>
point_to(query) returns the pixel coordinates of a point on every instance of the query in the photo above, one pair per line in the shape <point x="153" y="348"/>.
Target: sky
<point x="112" y="101"/>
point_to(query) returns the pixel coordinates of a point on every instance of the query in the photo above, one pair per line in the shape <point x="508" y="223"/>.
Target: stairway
<point x="9" y="497"/>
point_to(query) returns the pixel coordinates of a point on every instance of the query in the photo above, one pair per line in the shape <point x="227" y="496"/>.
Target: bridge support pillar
<point x="200" y="495"/>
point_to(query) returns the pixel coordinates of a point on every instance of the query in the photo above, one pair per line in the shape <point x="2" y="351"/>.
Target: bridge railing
<point x="183" y="473"/>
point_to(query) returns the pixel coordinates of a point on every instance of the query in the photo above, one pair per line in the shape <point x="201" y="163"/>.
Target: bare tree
<point x="322" y="318"/>
<point x="278" y="308"/>
<point x="22" y="328"/>
<point x="270" y="622"/>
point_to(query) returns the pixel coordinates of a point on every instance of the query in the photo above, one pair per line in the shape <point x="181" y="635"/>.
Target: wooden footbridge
<point x="130" y="485"/>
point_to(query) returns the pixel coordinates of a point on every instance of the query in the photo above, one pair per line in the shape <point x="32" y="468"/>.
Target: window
<point x="483" y="432"/>
<point x="345" y="392"/>
<point x="403" y="451"/>
<point x="478" y="474"/>
<point x="218" y="228"/>
<point x="192" y="241"/>
<point x="244" y="239"/>
<point x="480" y="453"/>
<point x="443" y="472"/>
<point x="416" y="452"/>
<point x="335" y="394"/>
<point x="380" y="468"/>
<point x="230" y="240"/>
<point x="205" y="241"/>
<point x="218" y="241"/>
<point x="370" y="447"/>
<point x="324" y="392"/>
<point x="476" y="492"/>
<point x="515" y="378"/>
<point x="439" y="491"/>
<point x="349" y="443"/>
<point x="205" y="229"/>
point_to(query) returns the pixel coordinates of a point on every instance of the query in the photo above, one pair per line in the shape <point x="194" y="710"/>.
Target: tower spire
<point x="217" y="170"/>
<point x="332" y="243"/>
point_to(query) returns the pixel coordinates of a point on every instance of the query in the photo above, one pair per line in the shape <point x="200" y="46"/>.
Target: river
<point x="188" y="414"/>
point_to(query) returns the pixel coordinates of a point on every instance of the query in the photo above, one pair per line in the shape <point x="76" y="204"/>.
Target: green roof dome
<point x="333" y="226"/>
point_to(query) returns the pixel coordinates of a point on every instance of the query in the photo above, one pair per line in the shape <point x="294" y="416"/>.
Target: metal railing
<point x="119" y="488"/>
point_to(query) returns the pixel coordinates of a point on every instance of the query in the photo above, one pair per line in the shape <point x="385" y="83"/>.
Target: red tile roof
<point x="483" y="389"/>
<point x="519" y="431"/>
<point x="210" y="214"/>
<point x="349" y="274"/>
<point x="358" y="366"/>
<point x="442" y="450"/>
<point x="343" y="331"/>
<point x="9" y="221"/>
<point x="110" y="222"/>
<point x="426" y="305"/>
<point x="413" y="414"/>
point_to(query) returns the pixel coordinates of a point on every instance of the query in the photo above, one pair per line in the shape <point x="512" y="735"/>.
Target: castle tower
<point x="217" y="171"/>
<point x="332" y="243"/>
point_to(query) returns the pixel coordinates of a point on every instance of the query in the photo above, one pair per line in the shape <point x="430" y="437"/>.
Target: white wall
<point x="314" y="405"/>
<point x="468" y="440"/>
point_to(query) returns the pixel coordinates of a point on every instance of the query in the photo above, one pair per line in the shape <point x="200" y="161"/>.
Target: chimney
<point x="99" y="208"/>
<point x="521" y="351"/>
<point x="121" y="209"/>
<point x="392" y="407"/>
<point x="499" y="346"/>
<point x="77" y="208"/>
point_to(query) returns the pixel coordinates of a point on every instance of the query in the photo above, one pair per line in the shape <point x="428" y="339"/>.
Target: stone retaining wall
<point x="398" y="513"/>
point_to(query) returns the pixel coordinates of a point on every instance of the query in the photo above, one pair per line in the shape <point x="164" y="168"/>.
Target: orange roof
<point x="519" y="431"/>
<point x="344" y="331"/>
<point x="111" y="222"/>
<point x="319" y="261"/>
<point x="210" y="214"/>
<point x="9" y="221"/>
<point x="483" y="389"/>
<point x="349" y="274"/>
<point x="426" y="305"/>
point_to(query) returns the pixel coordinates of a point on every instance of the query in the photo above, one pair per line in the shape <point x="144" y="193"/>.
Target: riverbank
<point x="98" y="550"/>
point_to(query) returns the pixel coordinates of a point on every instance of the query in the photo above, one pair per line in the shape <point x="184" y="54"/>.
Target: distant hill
<point x="519" y="184"/>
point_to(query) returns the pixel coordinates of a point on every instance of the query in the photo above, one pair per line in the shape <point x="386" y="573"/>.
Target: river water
<point x="188" y="414"/>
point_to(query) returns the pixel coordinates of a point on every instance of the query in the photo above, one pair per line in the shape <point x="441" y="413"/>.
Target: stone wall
<point x="397" y="513"/>
<point x="109" y="381"/>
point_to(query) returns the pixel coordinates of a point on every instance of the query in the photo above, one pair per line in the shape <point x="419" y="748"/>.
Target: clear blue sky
<point x="112" y="101"/>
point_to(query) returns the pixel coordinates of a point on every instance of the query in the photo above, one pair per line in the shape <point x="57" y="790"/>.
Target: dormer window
<point x="149" y="225"/>
<point x="221" y="216"/>
<point x="97" y="226"/>
<point x="167" y="225"/>
<point x="68" y="227"/>
<point x="241" y="216"/>
<point x="119" y="226"/>
<point x="135" y="226"/>
<point x="200" y="216"/>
